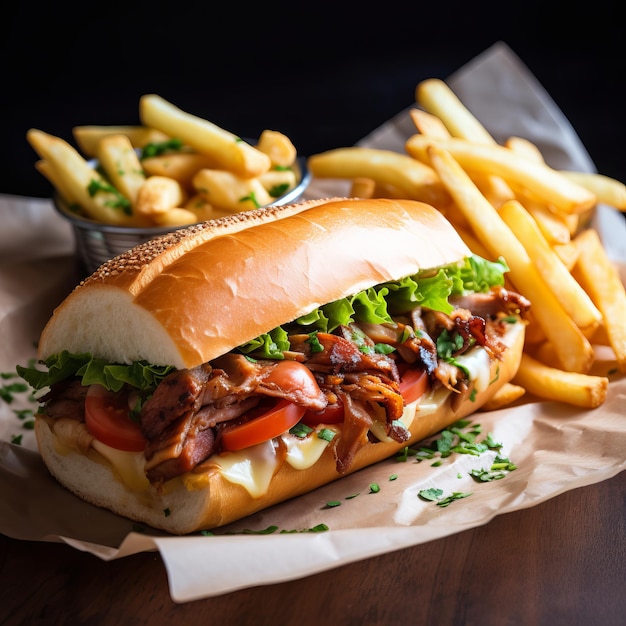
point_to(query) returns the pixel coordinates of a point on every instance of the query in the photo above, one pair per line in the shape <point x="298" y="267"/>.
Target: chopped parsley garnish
<point x="431" y="494"/>
<point x="119" y="201"/>
<point x="278" y="190"/>
<point x="159" y="148"/>
<point x="498" y="470"/>
<point x="300" y="430"/>
<point x="7" y="392"/>
<point x="436" y="495"/>
<point x="326" y="433"/>
<point x="456" y="495"/>
<point x="252" y="198"/>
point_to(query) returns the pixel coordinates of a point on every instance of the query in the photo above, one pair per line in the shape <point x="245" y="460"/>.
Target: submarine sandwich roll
<point x="235" y="364"/>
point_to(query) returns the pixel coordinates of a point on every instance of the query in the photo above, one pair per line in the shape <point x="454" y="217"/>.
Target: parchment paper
<point x="556" y="447"/>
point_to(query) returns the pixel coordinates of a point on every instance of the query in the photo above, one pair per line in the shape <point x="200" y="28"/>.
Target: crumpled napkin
<point x="556" y="447"/>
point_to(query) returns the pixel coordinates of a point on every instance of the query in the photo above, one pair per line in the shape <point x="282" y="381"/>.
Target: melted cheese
<point x="251" y="468"/>
<point x="378" y="426"/>
<point x="303" y="452"/>
<point x="129" y="466"/>
<point x="477" y="363"/>
<point x="431" y="401"/>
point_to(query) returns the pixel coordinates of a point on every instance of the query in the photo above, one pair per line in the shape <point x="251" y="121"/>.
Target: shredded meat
<point x="178" y="394"/>
<point x="493" y="303"/>
<point x="183" y="418"/>
<point x="66" y="399"/>
<point x="340" y="355"/>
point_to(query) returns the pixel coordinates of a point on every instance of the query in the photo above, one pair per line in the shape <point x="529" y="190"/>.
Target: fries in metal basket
<point x="171" y="147"/>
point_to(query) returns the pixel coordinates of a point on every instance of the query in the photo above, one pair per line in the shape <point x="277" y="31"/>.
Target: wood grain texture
<point x="562" y="562"/>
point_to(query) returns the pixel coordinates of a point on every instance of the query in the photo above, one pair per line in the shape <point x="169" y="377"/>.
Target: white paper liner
<point x="556" y="447"/>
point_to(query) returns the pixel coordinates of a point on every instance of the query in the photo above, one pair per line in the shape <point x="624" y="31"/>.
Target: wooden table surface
<point x="562" y="562"/>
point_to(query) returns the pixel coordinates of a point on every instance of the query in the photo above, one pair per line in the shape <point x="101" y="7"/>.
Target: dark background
<point x="326" y="74"/>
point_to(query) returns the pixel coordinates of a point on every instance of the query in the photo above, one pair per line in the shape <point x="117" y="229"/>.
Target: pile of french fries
<point x="174" y="169"/>
<point x="505" y="201"/>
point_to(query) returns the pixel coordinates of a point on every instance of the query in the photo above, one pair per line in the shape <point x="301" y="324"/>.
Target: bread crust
<point x="192" y="296"/>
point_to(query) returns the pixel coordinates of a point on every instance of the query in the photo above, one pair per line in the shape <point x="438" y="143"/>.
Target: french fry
<point x="104" y="203"/>
<point x="386" y="190"/>
<point x="473" y="243"/>
<point x="570" y="294"/>
<point x="600" y="337"/>
<point x="363" y="187"/>
<point x="181" y="166"/>
<point x="606" y="189"/>
<point x="558" y="226"/>
<point x="546" y="183"/>
<point x="278" y="147"/>
<point x="158" y="195"/>
<point x="88" y="137"/>
<point x="438" y="99"/>
<point x="525" y="148"/>
<point x="176" y="216"/>
<point x="568" y="253"/>
<point x="229" y="151"/>
<point x="553" y="226"/>
<point x="226" y="191"/>
<point x="203" y="210"/>
<point x="278" y="182"/>
<point x="429" y="124"/>
<point x="550" y="383"/>
<point x="507" y="394"/>
<point x="494" y="188"/>
<point x="122" y="165"/>
<point x="534" y="333"/>
<point x="59" y="182"/>
<point x="574" y="350"/>
<point x="545" y="353"/>
<point x="415" y="180"/>
<point x="600" y="278"/>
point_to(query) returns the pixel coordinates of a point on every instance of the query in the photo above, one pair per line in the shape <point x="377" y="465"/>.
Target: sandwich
<point x="235" y="364"/>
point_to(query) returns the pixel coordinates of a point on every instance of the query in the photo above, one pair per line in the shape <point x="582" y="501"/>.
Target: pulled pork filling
<point x="183" y="418"/>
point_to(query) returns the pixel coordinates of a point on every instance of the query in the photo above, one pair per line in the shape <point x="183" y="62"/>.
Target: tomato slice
<point x="107" y="418"/>
<point x="332" y="414"/>
<point x="293" y="376"/>
<point x="279" y="418"/>
<point x="413" y="384"/>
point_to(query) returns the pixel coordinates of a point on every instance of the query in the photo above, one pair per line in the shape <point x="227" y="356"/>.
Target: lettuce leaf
<point x="90" y="370"/>
<point x="378" y="304"/>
